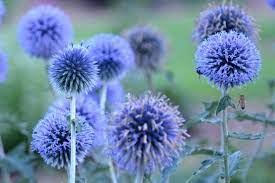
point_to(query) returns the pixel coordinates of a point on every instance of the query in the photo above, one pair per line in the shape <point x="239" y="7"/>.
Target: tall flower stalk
<point x="72" y="72"/>
<point x="103" y="98"/>
<point x="73" y="138"/>
<point x="224" y="140"/>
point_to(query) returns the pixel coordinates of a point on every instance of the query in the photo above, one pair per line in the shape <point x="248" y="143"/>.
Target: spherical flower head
<point x="228" y="60"/>
<point x="225" y="17"/>
<point x="2" y="10"/>
<point x="271" y="3"/>
<point x="44" y="30"/>
<point x="73" y="71"/>
<point x="3" y="67"/>
<point x="89" y="112"/>
<point x="113" y="55"/>
<point x="149" y="47"/>
<point x="51" y="139"/>
<point x="115" y="94"/>
<point x="146" y="132"/>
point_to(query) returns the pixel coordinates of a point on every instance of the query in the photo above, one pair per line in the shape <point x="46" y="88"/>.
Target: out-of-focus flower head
<point x="44" y="31"/>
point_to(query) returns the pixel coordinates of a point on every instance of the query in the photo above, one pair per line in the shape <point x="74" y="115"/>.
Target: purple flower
<point x="228" y="60"/>
<point x="148" y="46"/>
<point x="271" y="3"/>
<point x="73" y="71"/>
<point x="51" y="139"/>
<point x="112" y="54"/>
<point x="44" y="31"/>
<point x="115" y="95"/>
<point x="225" y="17"/>
<point x="3" y="67"/>
<point x="146" y="132"/>
<point x="2" y="10"/>
<point x="89" y="112"/>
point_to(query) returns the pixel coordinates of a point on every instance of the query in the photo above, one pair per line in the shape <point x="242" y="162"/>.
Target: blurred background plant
<point x="26" y="95"/>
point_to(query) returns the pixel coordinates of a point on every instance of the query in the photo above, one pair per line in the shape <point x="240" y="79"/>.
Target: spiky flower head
<point x="271" y="3"/>
<point x="51" y="139"/>
<point x="149" y="47"/>
<point x="3" y="67"/>
<point x="44" y="30"/>
<point x="224" y="17"/>
<point x="228" y="60"/>
<point x="146" y="132"/>
<point x="89" y="112"/>
<point x="115" y="94"/>
<point x="73" y="70"/>
<point x="113" y="55"/>
<point x="2" y="10"/>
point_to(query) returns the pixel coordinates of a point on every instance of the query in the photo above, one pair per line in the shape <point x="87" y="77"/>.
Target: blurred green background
<point x="26" y="94"/>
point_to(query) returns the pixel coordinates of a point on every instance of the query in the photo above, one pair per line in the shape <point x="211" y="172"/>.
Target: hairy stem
<point x="259" y="144"/>
<point x="225" y="141"/>
<point x="5" y="173"/>
<point x="149" y="81"/>
<point x="103" y="98"/>
<point x="73" y="140"/>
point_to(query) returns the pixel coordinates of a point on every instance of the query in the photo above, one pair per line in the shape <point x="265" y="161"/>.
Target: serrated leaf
<point x="234" y="162"/>
<point x="224" y="103"/>
<point x="18" y="161"/>
<point x="256" y="117"/>
<point x="196" y="150"/>
<point x="245" y="136"/>
<point x="210" y="108"/>
<point x="204" y="166"/>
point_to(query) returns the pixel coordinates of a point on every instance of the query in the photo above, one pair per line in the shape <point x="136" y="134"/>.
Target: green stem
<point x="140" y="174"/>
<point x="5" y="173"/>
<point x="103" y="98"/>
<point x="149" y="81"/>
<point x="225" y="140"/>
<point x="73" y="140"/>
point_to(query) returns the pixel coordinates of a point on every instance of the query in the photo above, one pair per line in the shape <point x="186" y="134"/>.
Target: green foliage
<point x="224" y="103"/>
<point x="256" y="117"/>
<point x="245" y="136"/>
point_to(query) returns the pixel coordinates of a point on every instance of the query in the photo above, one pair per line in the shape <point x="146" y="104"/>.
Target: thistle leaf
<point x="245" y="136"/>
<point x="257" y="117"/>
<point x="204" y="166"/>
<point x="234" y="162"/>
<point x="224" y="103"/>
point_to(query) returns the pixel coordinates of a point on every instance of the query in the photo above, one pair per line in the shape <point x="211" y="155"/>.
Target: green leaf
<point x="234" y="163"/>
<point x="224" y="103"/>
<point x="245" y="136"/>
<point x="196" y="150"/>
<point x="204" y="166"/>
<point x="257" y="117"/>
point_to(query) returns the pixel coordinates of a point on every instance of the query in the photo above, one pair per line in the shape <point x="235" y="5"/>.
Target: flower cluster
<point x="51" y="139"/>
<point x="228" y="59"/>
<point x="112" y="54"/>
<point x="148" y="46"/>
<point x="73" y="71"/>
<point x="146" y="132"/>
<point x="43" y="31"/>
<point x="225" y="17"/>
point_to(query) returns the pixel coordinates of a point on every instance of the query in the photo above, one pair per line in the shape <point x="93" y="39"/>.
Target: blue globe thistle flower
<point x="271" y="3"/>
<point x="228" y="59"/>
<point x="44" y="30"/>
<point x="2" y="10"/>
<point x="3" y="67"/>
<point x="113" y="55"/>
<point x="51" y="139"/>
<point x="149" y="47"/>
<point x="89" y="112"/>
<point x="115" y="94"/>
<point x="225" y="17"/>
<point x="146" y="132"/>
<point x="73" y="71"/>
